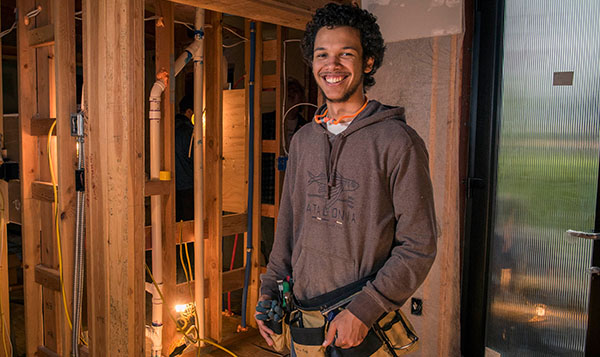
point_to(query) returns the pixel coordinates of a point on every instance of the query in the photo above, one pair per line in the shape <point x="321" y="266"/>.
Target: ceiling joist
<point x="288" y="13"/>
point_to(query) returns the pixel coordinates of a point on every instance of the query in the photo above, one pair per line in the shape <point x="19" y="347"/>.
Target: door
<point x="541" y="287"/>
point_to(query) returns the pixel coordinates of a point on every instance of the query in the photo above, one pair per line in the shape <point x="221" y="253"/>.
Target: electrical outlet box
<point x="416" y="306"/>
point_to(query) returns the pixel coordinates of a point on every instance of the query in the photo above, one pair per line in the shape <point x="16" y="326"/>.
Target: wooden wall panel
<point x="235" y="162"/>
<point x="114" y="89"/>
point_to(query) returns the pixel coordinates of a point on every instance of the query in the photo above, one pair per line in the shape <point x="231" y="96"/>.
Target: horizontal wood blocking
<point x="42" y="36"/>
<point x="269" y="146"/>
<point x="47" y="277"/>
<point x="157" y="187"/>
<point x="43" y="351"/>
<point x="232" y="280"/>
<point x="270" y="50"/>
<point x="42" y="191"/>
<point x="41" y="126"/>
<point x="268" y="210"/>
<point x="269" y="81"/>
<point x="232" y="224"/>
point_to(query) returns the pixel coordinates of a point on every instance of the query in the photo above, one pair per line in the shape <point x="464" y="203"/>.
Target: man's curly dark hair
<point x="335" y="15"/>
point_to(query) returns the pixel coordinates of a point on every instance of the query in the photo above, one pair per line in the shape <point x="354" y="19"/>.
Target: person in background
<point x="184" y="161"/>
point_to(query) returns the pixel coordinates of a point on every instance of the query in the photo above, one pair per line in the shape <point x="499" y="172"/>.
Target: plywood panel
<point x="235" y="184"/>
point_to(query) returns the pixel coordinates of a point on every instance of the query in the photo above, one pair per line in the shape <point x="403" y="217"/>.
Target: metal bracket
<point x="594" y="270"/>
<point x="77" y="124"/>
<point x="584" y="235"/>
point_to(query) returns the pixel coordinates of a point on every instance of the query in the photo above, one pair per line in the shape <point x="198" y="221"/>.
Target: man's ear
<point x="369" y="65"/>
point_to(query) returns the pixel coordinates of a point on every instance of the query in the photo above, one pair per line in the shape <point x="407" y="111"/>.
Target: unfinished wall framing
<point x="113" y="101"/>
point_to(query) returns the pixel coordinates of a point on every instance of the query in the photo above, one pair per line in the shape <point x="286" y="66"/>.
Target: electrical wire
<point x="3" y="327"/>
<point x="175" y="321"/>
<point x="187" y="277"/>
<point x="283" y="134"/>
<point x="244" y="39"/>
<point x="58" y="242"/>
<point x="188" y="25"/>
<point x="285" y="42"/>
<point x="235" y="33"/>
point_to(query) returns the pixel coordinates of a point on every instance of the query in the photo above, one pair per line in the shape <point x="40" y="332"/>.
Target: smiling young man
<point x="356" y="224"/>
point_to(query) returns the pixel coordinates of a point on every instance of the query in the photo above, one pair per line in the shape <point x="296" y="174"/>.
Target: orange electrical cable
<point x="338" y="120"/>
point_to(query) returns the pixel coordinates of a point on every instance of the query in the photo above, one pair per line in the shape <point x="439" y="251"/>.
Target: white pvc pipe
<point x="199" y="174"/>
<point x="186" y="56"/>
<point x="156" y="203"/>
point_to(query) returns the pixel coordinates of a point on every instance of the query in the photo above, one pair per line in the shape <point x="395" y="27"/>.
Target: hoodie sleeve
<point x="280" y="265"/>
<point x="414" y="247"/>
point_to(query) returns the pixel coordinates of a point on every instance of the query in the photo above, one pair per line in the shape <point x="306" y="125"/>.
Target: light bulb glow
<point x="180" y="308"/>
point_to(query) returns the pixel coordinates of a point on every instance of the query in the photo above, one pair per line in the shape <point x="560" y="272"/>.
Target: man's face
<point x="338" y="64"/>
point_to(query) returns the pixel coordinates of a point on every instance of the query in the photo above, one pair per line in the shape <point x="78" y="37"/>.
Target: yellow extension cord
<point x="60" y="269"/>
<point x="58" y="242"/>
<point x="175" y="321"/>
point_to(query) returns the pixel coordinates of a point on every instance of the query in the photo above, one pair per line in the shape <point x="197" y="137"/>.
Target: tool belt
<point x="304" y="327"/>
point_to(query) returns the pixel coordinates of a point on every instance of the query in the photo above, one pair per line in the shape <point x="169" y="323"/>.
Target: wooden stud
<point x="43" y="351"/>
<point x="268" y="210"/>
<point x="213" y="169"/>
<point x="4" y="281"/>
<point x="41" y="36"/>
<point x="157" y="187"/>
<point x="66" y="104"/>
<point x="232" y="224"/>
<point x="30" y="208"/>
<point x="41" y="126"/>
<point x="42" y="191"/>
<point x="270" y="81"/>
<point x="254" y="284"/>
<point x="46" y="108"/>
<point x="164" y="61"/>
<point x="269" y="146"/>
<point x="269" y="50"/>
<point x="279" y="100"/>
<point x="47" y="277"/>
<point x="114" y="90"/>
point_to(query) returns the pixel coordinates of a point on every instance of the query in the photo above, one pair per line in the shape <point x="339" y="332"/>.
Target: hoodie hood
<point x="373" y="113"/>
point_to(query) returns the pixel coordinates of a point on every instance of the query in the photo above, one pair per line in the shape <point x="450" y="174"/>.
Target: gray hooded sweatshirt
<point x="355" y="204"/>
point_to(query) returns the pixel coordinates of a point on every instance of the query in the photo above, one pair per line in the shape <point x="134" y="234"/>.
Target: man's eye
<point x="347" y="54"/>
<point x="320" y="55"/>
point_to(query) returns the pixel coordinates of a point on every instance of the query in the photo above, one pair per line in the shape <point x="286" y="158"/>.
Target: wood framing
<point x="4" y="284"/>
<point x="114" y="97"/>
<point x="164" y="61"/>
<point x="28" y="164"/>
<point x="213" y="172"/>
<point x="279" y="102"/>
<point x="289" y="13"/>
<point x="66" y="103"/>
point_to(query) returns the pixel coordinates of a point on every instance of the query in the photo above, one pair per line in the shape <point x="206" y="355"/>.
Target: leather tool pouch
<point x="396" y="333"/>
<point x="280" y="330"/>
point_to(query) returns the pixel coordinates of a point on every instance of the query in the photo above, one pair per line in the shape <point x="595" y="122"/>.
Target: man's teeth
<point x="334" y="79"/>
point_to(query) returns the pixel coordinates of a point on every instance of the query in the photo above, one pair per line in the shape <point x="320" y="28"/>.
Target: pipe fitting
<point x="154" y="333"/>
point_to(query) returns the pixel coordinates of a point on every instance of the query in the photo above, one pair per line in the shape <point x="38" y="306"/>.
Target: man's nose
<point x="333" y="61"/>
